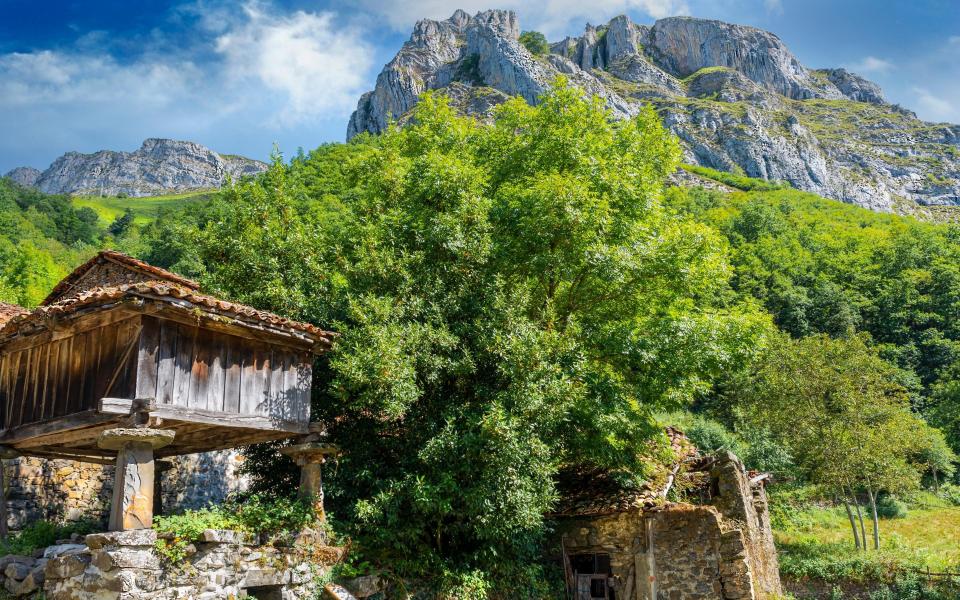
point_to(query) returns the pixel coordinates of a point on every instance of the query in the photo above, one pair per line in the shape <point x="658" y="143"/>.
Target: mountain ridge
<point x="736" y="96"/>
<point x="159" y="166"/>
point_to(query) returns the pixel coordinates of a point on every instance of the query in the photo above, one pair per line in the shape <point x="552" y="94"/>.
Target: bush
<point x="252" y="514"/>
<point x="834" y="562"/>
<point x="889" y="507"/>
<point x="45" y="533"/>
<point x="739" y="181"/>
<point x="950" y="493"/>
<point x="535" y="42"/>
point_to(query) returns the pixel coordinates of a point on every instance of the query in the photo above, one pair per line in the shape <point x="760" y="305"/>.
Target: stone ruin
<point x="639" y="546"/>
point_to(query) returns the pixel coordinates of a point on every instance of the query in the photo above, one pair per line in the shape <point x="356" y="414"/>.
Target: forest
<point x="530" y="294"/>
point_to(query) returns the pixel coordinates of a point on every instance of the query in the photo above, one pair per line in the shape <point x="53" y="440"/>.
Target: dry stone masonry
<point x="722" y="550"/>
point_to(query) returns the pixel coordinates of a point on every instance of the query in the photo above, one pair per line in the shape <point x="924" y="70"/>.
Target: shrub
<point x="45" y="533"/>
<point x="889" y="507"/>
<point x="535" y="42"/>
<point x="950" y="493"/>
<point x="252" y="514"/>
<point x="739" y="181"/>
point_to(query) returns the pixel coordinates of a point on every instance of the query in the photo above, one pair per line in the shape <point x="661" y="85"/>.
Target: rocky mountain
<point x="735" y="95"/>
<point x="158" y="167"/>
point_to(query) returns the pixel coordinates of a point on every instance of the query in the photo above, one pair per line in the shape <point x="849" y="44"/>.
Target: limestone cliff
<point x="736" y="97"/>
<point x="158" y="167"/>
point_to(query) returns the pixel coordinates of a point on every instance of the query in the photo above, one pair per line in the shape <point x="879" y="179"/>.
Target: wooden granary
<point x="120" y="345"/>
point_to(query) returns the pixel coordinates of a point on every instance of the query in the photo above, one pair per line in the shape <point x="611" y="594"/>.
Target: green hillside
<point x="144" y="209"/>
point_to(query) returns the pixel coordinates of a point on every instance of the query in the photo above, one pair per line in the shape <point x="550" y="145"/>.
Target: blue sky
<point x="240" y="76"/>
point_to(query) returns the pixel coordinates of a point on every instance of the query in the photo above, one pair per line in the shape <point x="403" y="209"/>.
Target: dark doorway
<point x="593" y="577"/>
<point x="265" y="592"/>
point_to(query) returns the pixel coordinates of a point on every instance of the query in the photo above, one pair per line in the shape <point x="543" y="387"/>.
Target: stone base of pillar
<point x="133" y="491"/>
<point x="310" y="458"/>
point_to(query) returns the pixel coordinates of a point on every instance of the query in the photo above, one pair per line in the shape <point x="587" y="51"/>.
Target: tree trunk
<point x="853" y="523"/>
<point x="876" y="520"/>
<point x="863" y="531"/>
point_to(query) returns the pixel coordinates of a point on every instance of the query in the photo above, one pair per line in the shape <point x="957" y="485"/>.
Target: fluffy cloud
<point x="317" y="66"/>
<point x="232" y="79"/>
<point x="870" y="65"/>
<point x="552" y="17"/>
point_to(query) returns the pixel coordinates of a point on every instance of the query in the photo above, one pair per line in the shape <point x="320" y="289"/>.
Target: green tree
<point x="510" y="298"/>
<point x="835" y="404"/>
<point x="121" y="224"/>
<point x="535" y="42"/>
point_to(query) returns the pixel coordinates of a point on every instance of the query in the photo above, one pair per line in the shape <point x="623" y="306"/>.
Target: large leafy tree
<point x="836" y="405"/>
<point x="510" y="297"/>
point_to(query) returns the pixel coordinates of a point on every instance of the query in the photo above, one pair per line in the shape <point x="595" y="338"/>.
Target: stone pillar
<point x="5" y="453"/>
<point x="310" y="457"/>
<point x="132" y="506"/>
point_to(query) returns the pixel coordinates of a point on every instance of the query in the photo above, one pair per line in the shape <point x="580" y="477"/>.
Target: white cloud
<point x="319" y="67"/>
<point x="774" y="7"/>
<point x="553" y="17"/>
<point x="870" y="65"/>
<point x="954" y="40"/>
<point x="233" y="79"/>
<point x="932" y="106"/>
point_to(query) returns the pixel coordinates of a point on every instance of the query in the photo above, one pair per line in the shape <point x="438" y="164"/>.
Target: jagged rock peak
<point x="735" y="96"/>
<point x="159" y="166"/>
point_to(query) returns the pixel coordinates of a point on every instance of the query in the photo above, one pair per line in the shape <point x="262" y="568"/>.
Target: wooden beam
<point x="58" y="426"/>
<point x="103" y="459"/>
<point x="121" y="406"/>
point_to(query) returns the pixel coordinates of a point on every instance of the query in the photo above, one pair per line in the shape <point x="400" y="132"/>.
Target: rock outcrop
<point x="158" y="167"/>
<point x="25" y="176"/>
<point x="734" y="95"/>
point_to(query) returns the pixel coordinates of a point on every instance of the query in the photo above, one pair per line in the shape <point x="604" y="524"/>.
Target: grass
<point x="144" y="209"/>
<point x="817" y="542"/>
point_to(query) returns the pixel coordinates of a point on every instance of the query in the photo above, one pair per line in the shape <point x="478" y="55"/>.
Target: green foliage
<point x="41" y="534"/>
<point x="807" y="556"/>
<point x="249" y="514"/>
<point x="535" y="42"/>
<point x="821" y="266"/>
<point x="888" y="507"/>
<point x="514" y="295"/>
<point x="122" y="223"/>
<point x="951" y="493"/>
<point x="736" y="180"/>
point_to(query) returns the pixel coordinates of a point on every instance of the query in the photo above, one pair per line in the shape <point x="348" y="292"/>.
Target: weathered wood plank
<point x="200" y="375"/>
<point x="304" y="379"/>
<point x="63" y="376"/>
<point x="186" y="336"/>
<point x="22" y="371"/>
<point x="166" y="367"/>
<point x="148" y="357"/>
<point x="107" y="361"/>
<point x="252" y="383"/>
<point x="69" y="326"/>
<point x="49" y="382"/>
<point x="216" y="383"/>
<point x="233" y="364"/>
<point x="57" y="426"/>
<point x="121" y="407"/>
<point x="278" y="403"/>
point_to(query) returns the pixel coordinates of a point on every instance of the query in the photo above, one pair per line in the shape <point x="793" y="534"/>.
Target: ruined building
<point x="617" y="544"/>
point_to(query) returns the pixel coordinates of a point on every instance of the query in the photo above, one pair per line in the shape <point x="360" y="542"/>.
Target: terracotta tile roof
<point x="596" y="492"/>
<point x="9" y="311"/>
<point x="64" y="287"/>
<point x="171" y="293"/>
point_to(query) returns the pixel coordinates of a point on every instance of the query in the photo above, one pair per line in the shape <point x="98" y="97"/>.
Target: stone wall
<point x="718" y="551"/>
<point x="70" y="490"/>
<point x="223" y="565"/>
<point x="746" y="505"/>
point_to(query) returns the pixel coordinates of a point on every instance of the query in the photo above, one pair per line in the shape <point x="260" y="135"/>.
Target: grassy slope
<point x="928" y="537"/>
<point x="144" y="209"/>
